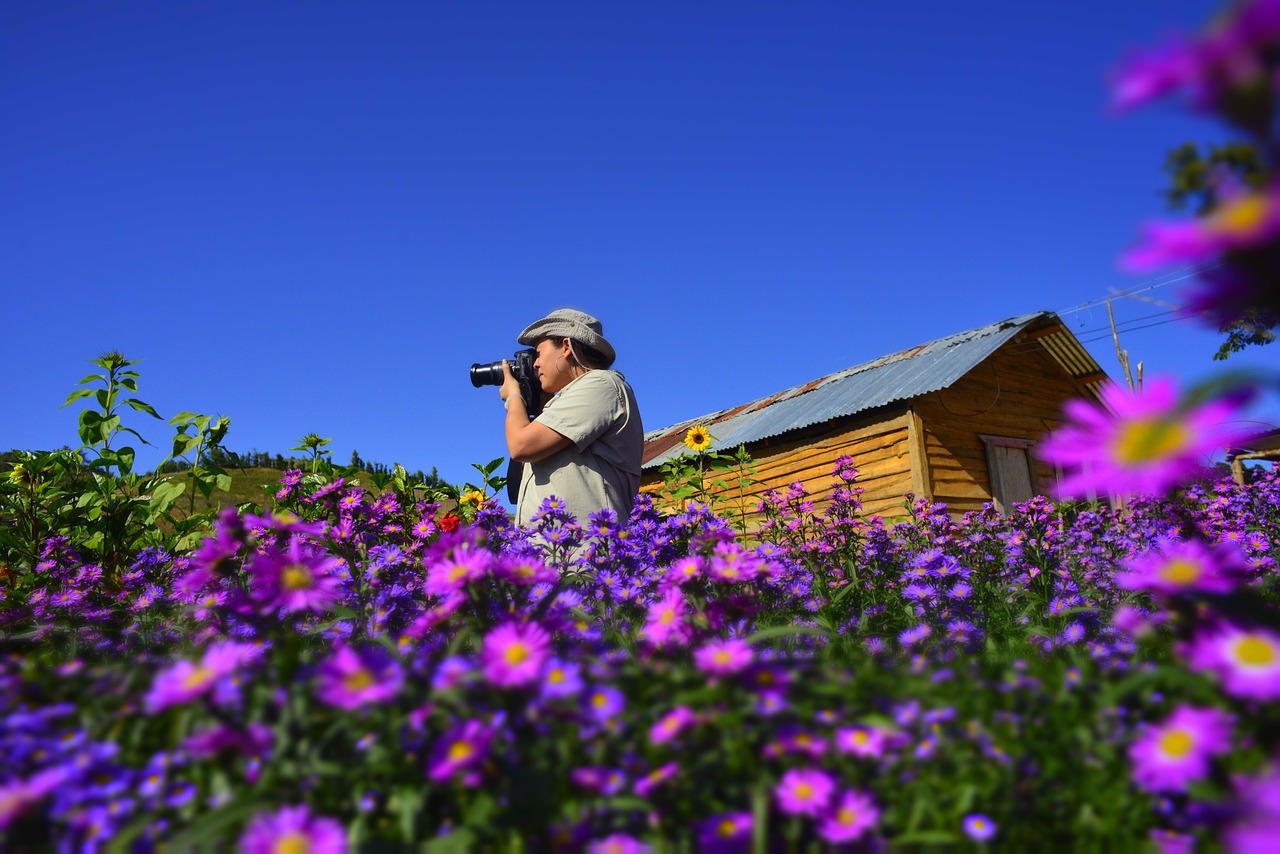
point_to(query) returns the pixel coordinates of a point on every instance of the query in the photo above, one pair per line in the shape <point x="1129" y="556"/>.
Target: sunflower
<point x="472" y="496"/>
<point x="697" y="439"/>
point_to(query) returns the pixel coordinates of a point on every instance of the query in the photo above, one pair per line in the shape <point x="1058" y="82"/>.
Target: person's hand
<point x="509" y="385"/>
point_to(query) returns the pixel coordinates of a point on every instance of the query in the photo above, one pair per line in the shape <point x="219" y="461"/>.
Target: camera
<point x="522" y="370"/>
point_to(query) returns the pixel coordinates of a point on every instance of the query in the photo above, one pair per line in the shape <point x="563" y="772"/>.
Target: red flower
<point x="449" y="523"/>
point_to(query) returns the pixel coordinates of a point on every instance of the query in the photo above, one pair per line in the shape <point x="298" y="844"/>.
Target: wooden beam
<point x="1040" y="333"/>
<point x="1095" y="377"/>
<point x="921" y="484"/>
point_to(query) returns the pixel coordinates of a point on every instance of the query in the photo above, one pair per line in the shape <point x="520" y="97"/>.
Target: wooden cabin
<point x="955" y="421"/>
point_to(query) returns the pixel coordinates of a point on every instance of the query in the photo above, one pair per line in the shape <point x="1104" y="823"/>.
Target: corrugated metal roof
<point x="898" y="376"/>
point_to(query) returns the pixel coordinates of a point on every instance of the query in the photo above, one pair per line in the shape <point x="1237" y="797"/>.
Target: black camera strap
<point x="515" y="471"/>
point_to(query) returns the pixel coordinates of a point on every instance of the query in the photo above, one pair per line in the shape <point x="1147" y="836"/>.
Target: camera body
<point x="522" y="370"/>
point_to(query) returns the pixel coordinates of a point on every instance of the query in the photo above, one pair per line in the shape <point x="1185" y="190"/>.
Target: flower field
<point x="358" y="666"/>
<point x="391" y="664"/>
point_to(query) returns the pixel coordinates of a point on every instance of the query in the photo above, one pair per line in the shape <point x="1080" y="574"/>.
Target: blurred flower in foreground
<point x="1167" y="757"/>
<point x="1246" y="661"/>
<point x="1184" y="566"/>
<point x="1258" y="805"/>
<point x="1241" y="221"/>
<point x="184" y="681"/>
<point x="849" y="818"/>
<point x="1148" y="445"/>
<point x="353" y="678"/>
<point x="726" y="832"/>
<point x="293" y="829"/>
<point x="804" y="791"/>
<point x="1231" y="58"/>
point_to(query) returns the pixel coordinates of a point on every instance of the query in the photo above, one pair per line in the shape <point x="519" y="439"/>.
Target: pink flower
<point x="448" y="575"/>
<point x="1185" y="566"/>
<point x="978" y="827"/>
<point x="804" y="791"/>
<point x="655" y="778"/>
<point x="350" y="679"/>
<point x="617" y="843"/>
<point x="866" y="742"/>
<point x="665" y="623"/>
<point x="723" y="657"/>
<point x="1147" y="446"/>
<point x="19" y="795"/>
<point x="184" y="681"/>
<point x="1257" y="826"/>
<point x="1246" y="661"/>
<point x="850" y="817"/>
<point x="672" y="724"/>
<point x="726" y="832"/>
<point x="1241" y="222"/>
<point x="1168" y="757"/>
<point x="513" y="654"/>
<point x="293" y="829"/>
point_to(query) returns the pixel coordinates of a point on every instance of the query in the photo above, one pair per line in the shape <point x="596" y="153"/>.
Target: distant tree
<point x="1195" y="182"/>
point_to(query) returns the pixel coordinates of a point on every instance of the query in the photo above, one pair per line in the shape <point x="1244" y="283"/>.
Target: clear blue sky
<point x="316" y="216"/>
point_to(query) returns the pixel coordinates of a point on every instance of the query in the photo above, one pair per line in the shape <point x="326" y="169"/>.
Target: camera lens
<point x="490" y="374"/>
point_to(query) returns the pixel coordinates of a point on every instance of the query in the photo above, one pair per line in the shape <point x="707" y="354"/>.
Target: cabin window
<point x="1012" y="470"/>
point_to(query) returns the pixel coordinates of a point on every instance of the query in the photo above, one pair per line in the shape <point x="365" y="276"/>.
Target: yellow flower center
<point x="667" y="617"/>
<point x="296" y="576"/>
<point x="1255" y="651"/>
<point x="1148" y="439"/>
<point x="599" y="700"/>
<point x="846" y="815"/>
<point x="556" y="676"/>
<point x="457" y="572"/>
<point x="722" y="656"/>
<point x="516" y="653"/>
<point x="292" y="842"/>
<point x="1176" y="743"/>
<point x="979" y="824"/>
<point x="197" y="677"/>
<point x="1243" y="215"/>
<point x="359" y="681"/>
<point x="459" y="750"/>
<point x="804" y="791"/>
<point x="1181" y="571"/>
<point x="861" y="738"/>
<point x="727" y="827"/>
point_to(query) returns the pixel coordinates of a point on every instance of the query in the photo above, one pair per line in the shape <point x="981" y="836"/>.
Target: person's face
<point x="552" y="364"/>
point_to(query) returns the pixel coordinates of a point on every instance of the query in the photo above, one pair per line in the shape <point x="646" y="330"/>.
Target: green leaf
<point x="784" y="631"/>
<point x="926" y="837"/>
<point x="134" y="403"/>
<point x="216" y="826"/>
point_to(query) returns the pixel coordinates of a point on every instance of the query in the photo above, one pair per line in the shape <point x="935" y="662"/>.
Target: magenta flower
<point x="605" y="703"/>
<point x="865" y="742"/>
<point x="350" y="679"/>
<point x="849" y="817"/>
<point x="723" y="657"/>
<point x="513" y="654"/>
<point x="804" y="791"/>
<point x="1147" y="446"/>
<point x="617" y="843"/>
<point x="293" y="829"/>
<point x="18" y="795"/>
<point x="1257" y="826"/>
<point x="684" y="569"/>
<point x="1185" y="566"/>
<point x="297" y="579"/>
<point x="1241" y="222"/>
<point x="448" y="575"/>
<point x="184" y="681"/>
<point x="1246" y="661"/>
<point x="255" y="740"/>
<point x="978" y="827"/>
<point x="459" y="752"/>
<point x="526" y="571"/>
<point x="672" y="724"/>
<point x="665" y="621"/>
<point x="655" y="778"/>
<point x="1167" y="757"/>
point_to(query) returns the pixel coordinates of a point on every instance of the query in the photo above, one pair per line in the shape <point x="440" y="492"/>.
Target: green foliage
<point x="719" y="479"/>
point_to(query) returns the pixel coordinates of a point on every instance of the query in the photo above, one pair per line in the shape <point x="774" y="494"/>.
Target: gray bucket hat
<point x="569" y="323"/>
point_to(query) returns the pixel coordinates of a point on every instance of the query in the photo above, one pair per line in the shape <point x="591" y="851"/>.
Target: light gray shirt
<point x="598" y="414"/>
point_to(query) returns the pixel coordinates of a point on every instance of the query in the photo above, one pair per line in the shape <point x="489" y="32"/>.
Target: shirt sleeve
<point x="583" y="411"/>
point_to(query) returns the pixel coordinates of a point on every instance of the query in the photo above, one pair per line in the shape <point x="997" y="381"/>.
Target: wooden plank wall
<point x="880" y="446"/>
<point x="1017" y="392"/>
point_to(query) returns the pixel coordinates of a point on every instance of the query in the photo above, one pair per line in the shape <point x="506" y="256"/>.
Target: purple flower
<point x="725" y="833"/>
<point x="849" y="817"/>
<point x="513" y="654"/>
<point x="978" y="827"/>
<point x="1183" y="566"/>
<point x="561" y="679"/>
<point x="804" y="791"/>
<point x="866" y="742"/>
<point x="1167" y="757"/>
<point x="293" y="829"/>
<point x="723" y="657"/>
<point x="605" y="703"/>
<point x="18" y="795"/>
<point x="1146" y="446"/>
<point x="253" y="741"/>
<point x="1246" y="661"/>
<point x="1258" y="809"/>
<point x="449" y="574"/>
<point x="672" y="724"/>
<point x="296" y="579"/>
<point x="459" y="752"/>
<point x="352" y="678"/>
<point x="617" y="843"/>
<point x="655" y="778"/>
<point x="665" y="620"/>
<point x="184" y="681"/>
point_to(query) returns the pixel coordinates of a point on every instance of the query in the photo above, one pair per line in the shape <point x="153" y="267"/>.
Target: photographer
<point x="585" y="446"/>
